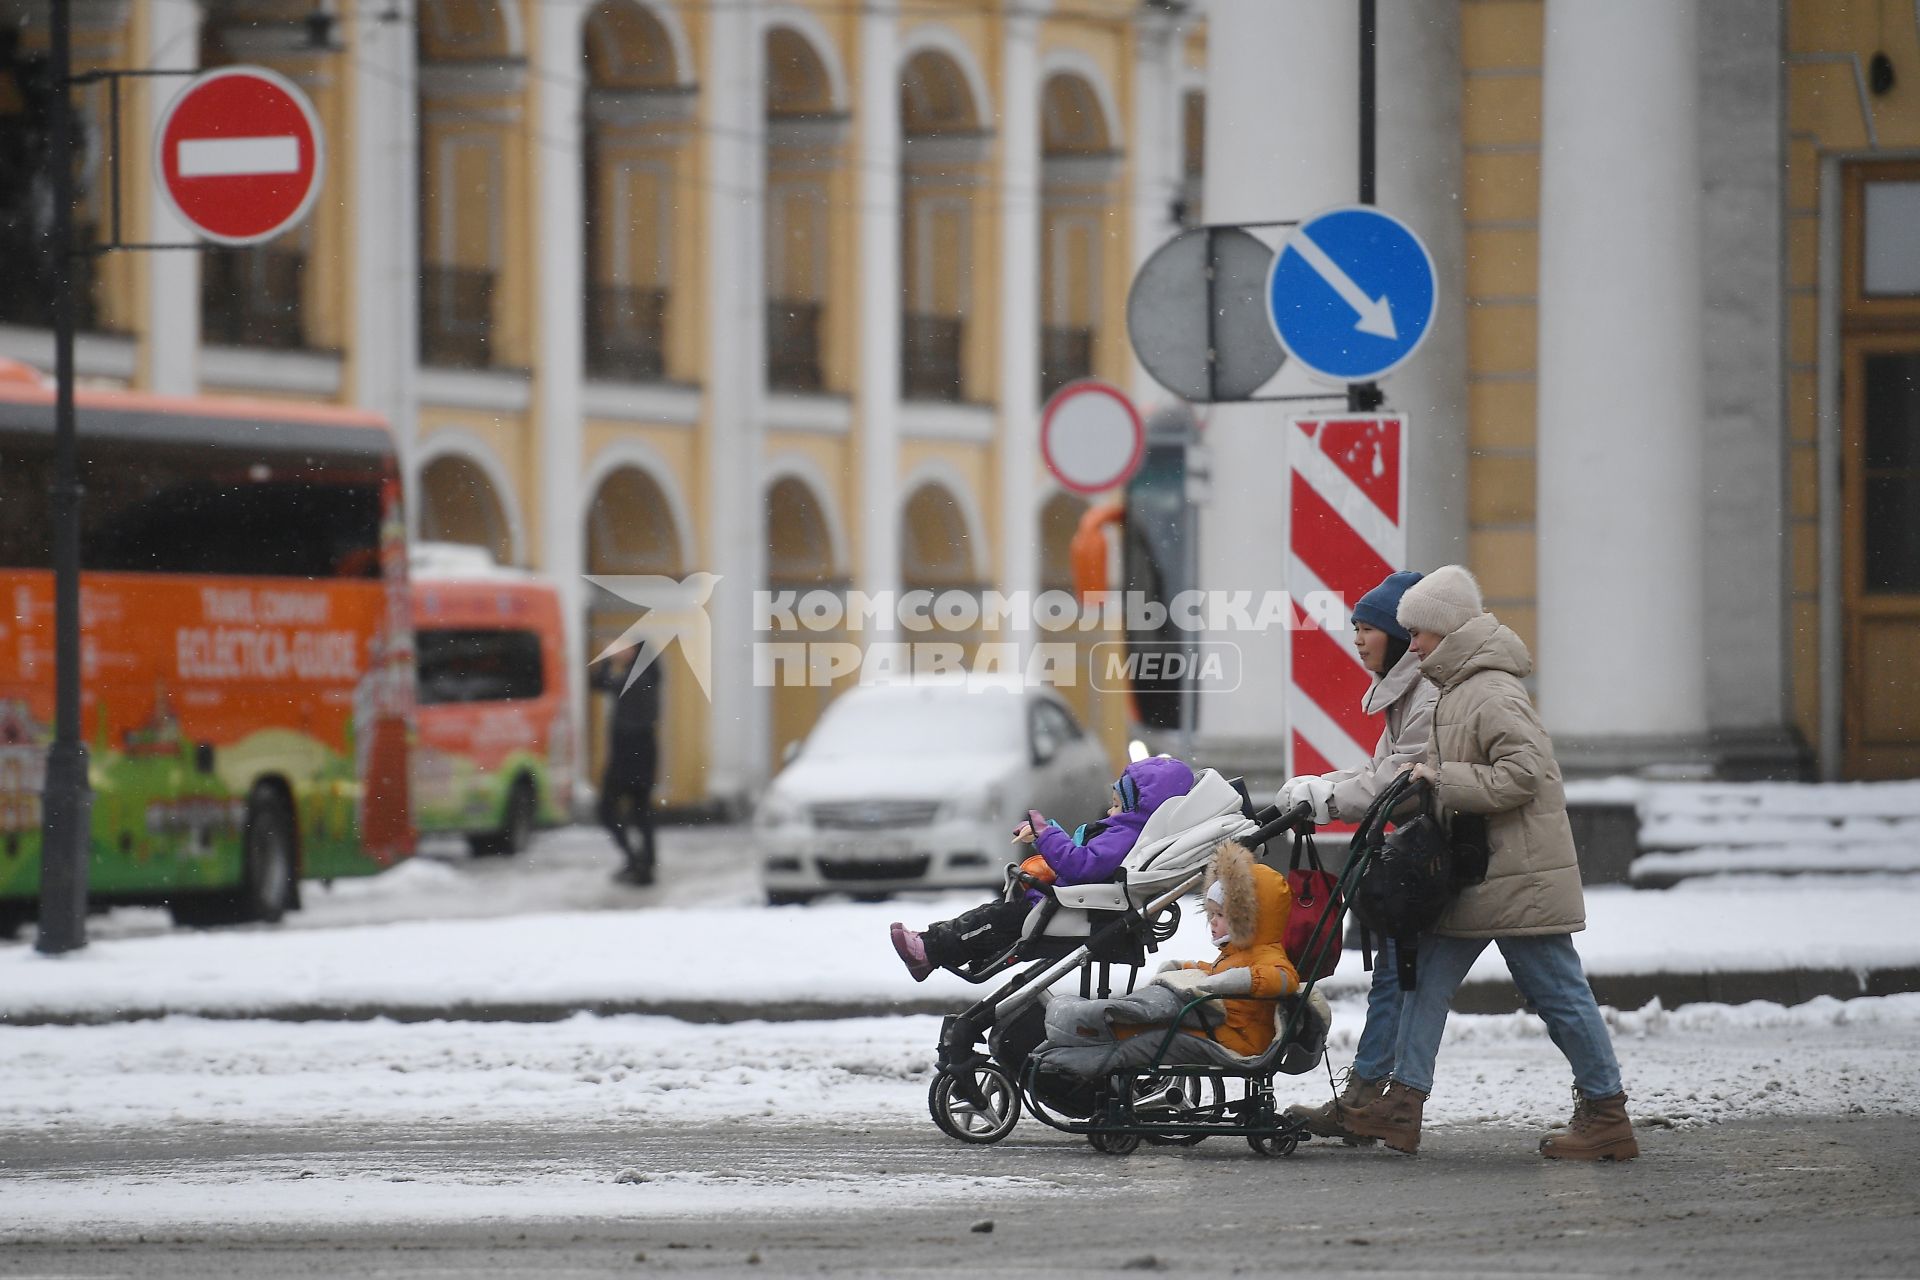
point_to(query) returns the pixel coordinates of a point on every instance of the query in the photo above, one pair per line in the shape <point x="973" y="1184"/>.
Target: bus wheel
<point x="270" y="857"/>
<point x="268" y="871"/>
<point x="516" y="828"/>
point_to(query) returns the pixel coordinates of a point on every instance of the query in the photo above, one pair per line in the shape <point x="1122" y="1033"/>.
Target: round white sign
<point x="1091" y="437"/>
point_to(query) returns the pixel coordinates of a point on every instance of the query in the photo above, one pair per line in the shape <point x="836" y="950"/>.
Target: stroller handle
<point x="1292" y="818"/>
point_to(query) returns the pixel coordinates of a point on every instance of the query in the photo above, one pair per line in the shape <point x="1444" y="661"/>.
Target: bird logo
<point x="674" y="610"/>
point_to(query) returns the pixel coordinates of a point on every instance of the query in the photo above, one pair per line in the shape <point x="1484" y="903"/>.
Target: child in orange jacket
<point x="1247" y="908"/>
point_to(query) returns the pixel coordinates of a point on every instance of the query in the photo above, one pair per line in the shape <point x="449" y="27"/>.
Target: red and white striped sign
<point x="240" y="154"/>
<point x="1346" y="532"/>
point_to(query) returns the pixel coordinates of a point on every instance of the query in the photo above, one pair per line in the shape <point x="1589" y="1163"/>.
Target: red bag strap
<point x="1303" y="845"/>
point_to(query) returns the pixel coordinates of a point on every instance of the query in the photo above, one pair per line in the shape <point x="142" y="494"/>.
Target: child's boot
<point x="912" y="952"/>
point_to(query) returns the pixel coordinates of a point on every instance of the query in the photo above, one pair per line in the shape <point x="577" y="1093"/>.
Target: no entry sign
<point x="240" y="154"/>
<point x="1091" y="437"/>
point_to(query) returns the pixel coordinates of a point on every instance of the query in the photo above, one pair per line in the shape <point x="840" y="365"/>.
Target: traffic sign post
<point x="1352" y="294"/>
<point x="1091" y="437"/>
<point x="239" y="155"/>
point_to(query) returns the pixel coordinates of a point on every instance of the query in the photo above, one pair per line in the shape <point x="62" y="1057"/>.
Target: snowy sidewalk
<point x="1787" y="941"/>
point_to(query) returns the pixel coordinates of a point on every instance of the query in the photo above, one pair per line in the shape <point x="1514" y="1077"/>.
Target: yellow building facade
<point x="774" y="290"/>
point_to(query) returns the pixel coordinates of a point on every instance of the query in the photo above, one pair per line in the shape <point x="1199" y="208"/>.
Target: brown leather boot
<point x="1599" y="1130"/>
<point x="1323" y="1121"/>
<point x="1393" y="1117"/>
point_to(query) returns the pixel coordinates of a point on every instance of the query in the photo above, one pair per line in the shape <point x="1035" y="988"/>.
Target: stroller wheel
<point x="1274" y="1144"/>
<point x="1179" y="1097"/>
<point x="1114" y="1144"/>
<point x="977" y="1104"/>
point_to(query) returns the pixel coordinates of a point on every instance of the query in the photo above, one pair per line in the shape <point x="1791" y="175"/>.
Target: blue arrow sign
<point x="1351" y="294"/>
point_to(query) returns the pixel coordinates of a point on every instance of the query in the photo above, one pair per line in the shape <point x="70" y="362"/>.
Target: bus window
<point x="199" y="509"/>
<point x="207" y="510"/>
<point x="478" y="666"/>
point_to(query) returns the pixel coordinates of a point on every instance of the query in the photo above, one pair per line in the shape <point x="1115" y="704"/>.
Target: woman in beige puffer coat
<point x="1489" y="755"/>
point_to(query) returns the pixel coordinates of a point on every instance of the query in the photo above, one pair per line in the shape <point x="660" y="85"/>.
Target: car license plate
<point x="869" y="850"/>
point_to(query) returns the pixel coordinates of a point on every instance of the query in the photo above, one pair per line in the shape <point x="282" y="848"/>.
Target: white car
<point x="921" y="786"/>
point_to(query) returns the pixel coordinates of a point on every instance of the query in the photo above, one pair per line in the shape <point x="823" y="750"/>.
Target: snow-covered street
<point x="1685" y="1069"/>
<point x="244" y="1147"/>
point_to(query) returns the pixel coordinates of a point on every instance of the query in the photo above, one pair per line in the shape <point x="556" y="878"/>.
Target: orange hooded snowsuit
<point x="1257" y="904"/>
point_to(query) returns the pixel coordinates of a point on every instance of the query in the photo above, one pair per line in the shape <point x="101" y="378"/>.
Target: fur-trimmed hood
<point x="1257" y="900"/>
<point x="1257" y="903"/>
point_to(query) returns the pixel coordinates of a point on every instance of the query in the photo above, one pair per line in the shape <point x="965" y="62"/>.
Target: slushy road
<point x="1828" y="1196"/>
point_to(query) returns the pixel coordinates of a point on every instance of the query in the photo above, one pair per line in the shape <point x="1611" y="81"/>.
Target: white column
<point x="558" y="159"/>
<point x="1155" y="156"/>
<point x="1020" y="308"/>
<point x="1621" y="538"/>
<point x="1282" y="142"/>
<point x="172" y="337"/>
<point x="878" y="389"/>
<point x="386" y="268"/>
<point x="732" y="106"/>
<point x="1421" y="171"/>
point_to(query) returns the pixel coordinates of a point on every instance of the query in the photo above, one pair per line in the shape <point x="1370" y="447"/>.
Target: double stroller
<point x="986" y="1072"/>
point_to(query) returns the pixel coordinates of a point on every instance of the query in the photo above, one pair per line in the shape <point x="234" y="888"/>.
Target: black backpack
<point x="1410" y="875"/>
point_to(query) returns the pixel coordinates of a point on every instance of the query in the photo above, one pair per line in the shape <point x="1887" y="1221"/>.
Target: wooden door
<point x="1881" y="532"/>
<point x="1880" y="471"/>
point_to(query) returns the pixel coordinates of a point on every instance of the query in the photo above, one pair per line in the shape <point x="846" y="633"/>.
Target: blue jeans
<point x="1373" y="1058"/>
<point x="1546" y="968"/>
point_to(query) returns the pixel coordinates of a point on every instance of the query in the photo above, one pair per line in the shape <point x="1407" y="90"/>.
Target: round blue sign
<point x="1351" y="294"/>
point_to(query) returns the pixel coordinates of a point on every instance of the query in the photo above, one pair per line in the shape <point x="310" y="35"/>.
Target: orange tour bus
<point x="495" y="751"/>
<point x="247" y="654"/>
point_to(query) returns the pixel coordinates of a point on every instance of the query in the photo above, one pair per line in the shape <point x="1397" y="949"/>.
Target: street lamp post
<point x="67" y="797"/>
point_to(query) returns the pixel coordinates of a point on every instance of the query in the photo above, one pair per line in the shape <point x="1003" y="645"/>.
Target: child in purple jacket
<point x="1090" y="855"/>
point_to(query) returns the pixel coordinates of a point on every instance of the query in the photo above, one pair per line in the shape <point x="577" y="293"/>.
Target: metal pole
<point x="68" y="802"/>
<point x="1362" y="396"/>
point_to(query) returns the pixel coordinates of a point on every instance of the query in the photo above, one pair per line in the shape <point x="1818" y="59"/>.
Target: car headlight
<point x="982" y="806"/>
<point x="778" y="811"/>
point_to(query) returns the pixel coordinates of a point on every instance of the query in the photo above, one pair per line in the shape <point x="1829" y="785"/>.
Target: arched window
<point x="471" y="78"/>
<point x="799" y="542"/>
<point x="1077" y="162"/>
<point x="936" y="545"/>
<point x="942" y="155"/>
<point x="799" y="557"/>
<point x="458" y="503"/>
<point x="805" y="133"/>
<point x="631" y="531"/>
<point x="636" y="112"/>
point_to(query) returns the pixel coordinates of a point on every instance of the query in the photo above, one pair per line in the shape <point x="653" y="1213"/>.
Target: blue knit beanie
<point x="1380" y="606"/>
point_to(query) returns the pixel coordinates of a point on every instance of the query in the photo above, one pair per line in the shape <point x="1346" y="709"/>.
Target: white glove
<point x="1317" y="792"/>
<point x="1198" y="982"/>
<point x="1284" y="799"/>
<point x="1188" y="982"/>
<point x="1168" y="966"/>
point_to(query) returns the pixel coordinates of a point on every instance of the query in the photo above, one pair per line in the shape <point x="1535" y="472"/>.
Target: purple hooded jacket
<point x="1144" y="786"/>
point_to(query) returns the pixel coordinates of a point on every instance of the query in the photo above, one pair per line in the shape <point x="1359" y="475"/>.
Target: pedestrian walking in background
<point x="633" y="761"/>
<point x="1489" y="754"/>
<point x="1405" y="698"/>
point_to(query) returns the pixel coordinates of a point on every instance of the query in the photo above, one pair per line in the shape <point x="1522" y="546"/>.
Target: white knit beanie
<point x="1442" y="602"/>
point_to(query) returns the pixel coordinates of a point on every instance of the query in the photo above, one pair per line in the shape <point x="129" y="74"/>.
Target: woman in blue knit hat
<point x="1405" y="698"/>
